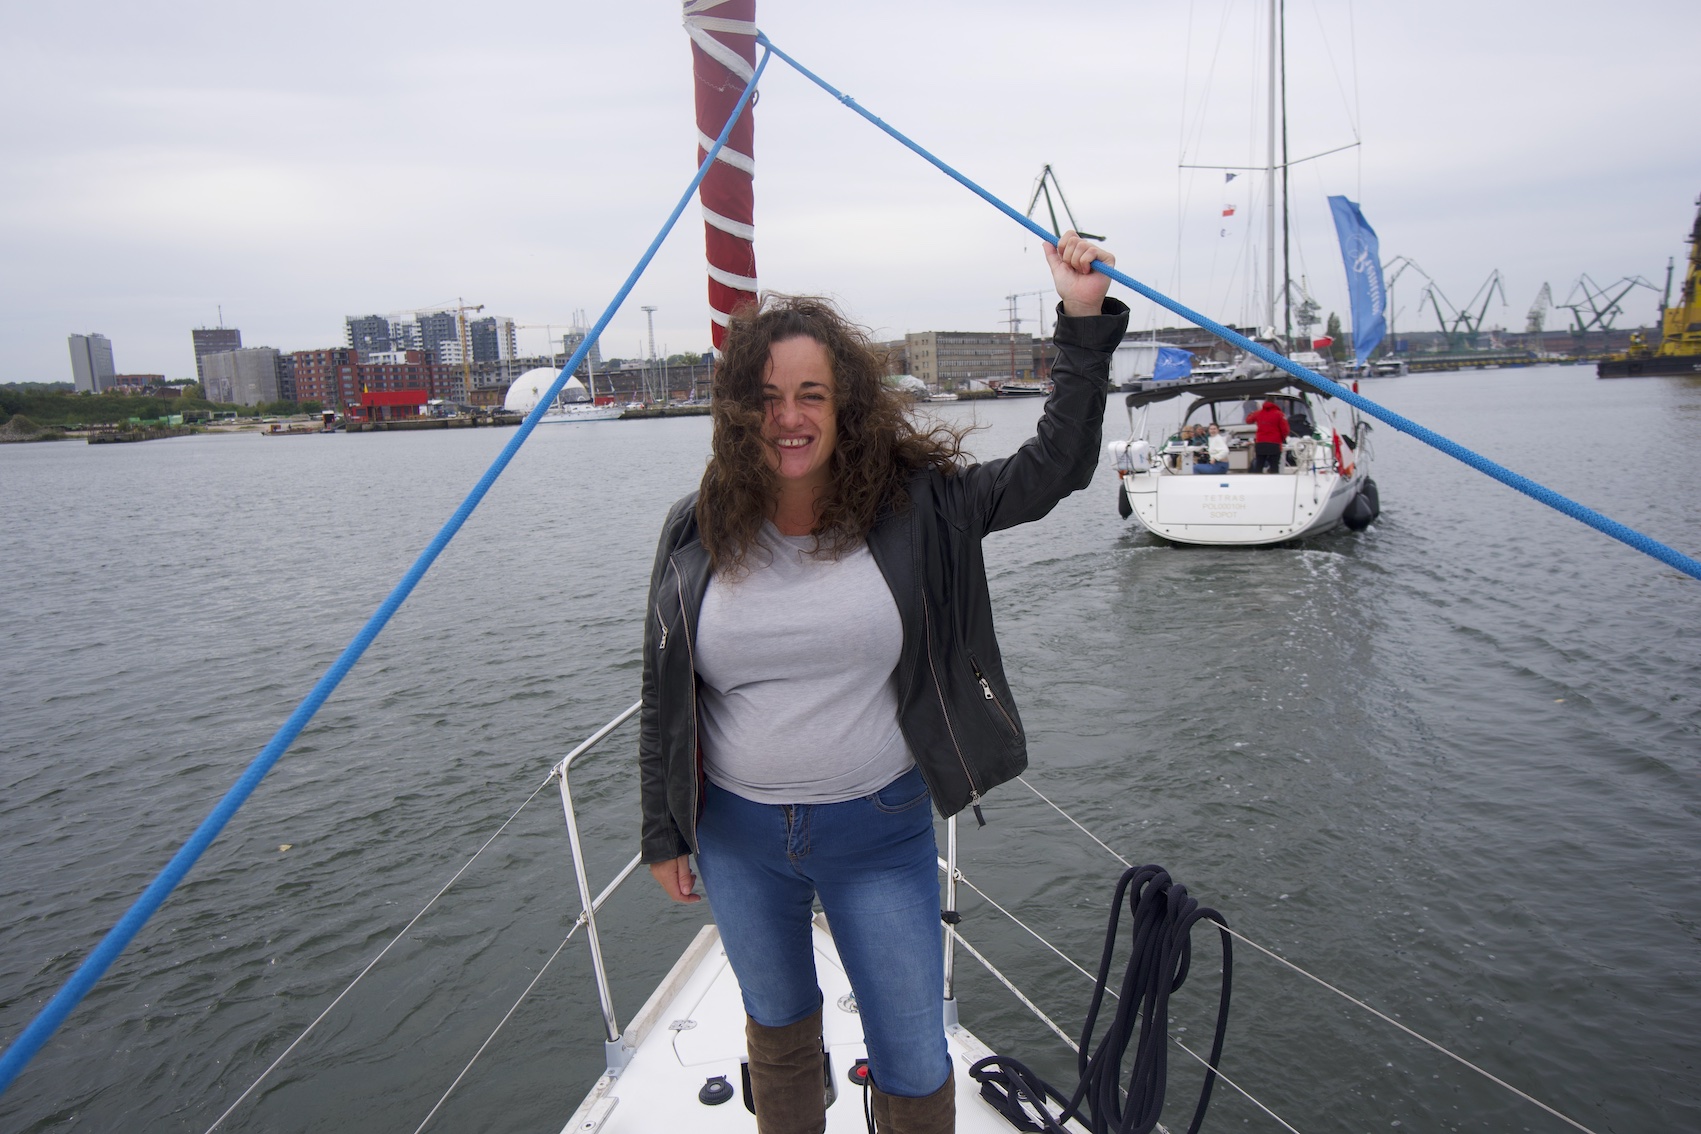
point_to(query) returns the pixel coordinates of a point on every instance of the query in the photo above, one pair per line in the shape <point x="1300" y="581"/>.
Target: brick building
<point x="337" y="376"/>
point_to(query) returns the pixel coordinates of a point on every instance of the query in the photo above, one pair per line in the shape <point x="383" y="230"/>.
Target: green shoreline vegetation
<point x="48" y="409"/>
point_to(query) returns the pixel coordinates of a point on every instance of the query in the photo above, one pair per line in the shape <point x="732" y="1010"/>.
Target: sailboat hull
<point x="1239" y="509"/>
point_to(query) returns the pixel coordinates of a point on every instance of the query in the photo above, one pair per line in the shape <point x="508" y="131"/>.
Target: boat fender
<point x="715" y="1092"/>
<point x="1358" y="514"/>
<point x="1369" y="493"/>
<point x="1123" y="507"/>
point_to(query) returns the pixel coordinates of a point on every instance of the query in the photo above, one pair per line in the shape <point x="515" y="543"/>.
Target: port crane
<point x="1537" y="317"/>
<point x="1043" y="186"/>
<point x="1466" y="323"/>
<point x="1604" y="303"/>
<point x="1391" y="273"/>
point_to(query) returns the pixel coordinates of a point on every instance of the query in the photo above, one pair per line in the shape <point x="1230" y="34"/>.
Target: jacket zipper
<point x="986" y="690"/>
<point x="696" y="742"/>
<point x="939" y="691"/>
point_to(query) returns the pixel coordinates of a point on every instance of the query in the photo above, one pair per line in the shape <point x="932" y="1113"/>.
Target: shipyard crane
<point x="1538" y="311"/>
<point x="1391" y="273"/>
<point x="1537" y="317"/>
<point x="1604" y="303"/>
<point x="1466" y="322"/>
<point x="1043" y="186"/>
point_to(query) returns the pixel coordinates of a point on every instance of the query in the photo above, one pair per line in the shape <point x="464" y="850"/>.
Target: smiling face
<point x="799" y="418"/>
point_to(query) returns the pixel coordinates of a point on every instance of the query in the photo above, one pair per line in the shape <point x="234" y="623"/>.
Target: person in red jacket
<point x="1272" y="426"/>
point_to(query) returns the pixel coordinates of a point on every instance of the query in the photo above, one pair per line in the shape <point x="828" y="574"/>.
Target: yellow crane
<point x="460" y="307"/>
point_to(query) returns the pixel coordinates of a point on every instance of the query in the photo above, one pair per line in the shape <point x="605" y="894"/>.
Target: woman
<point x="819" y="663"/>
<point x="1216" y="452"/>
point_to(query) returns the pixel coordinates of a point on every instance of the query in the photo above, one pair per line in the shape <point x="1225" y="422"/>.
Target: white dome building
<point x="529" y="387"/>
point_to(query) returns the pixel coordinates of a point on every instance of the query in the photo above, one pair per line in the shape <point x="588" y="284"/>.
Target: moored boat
<point x="1322" y="480"/>
<point x="567" y="414"/>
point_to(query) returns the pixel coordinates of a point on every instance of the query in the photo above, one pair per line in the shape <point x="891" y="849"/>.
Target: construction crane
<point x="1604" y="303"/>
<point x="1465" y="323"/>
<point x="461" y="310"/>
<point x="1043" y="186"/>
<point x="460" y="307"/>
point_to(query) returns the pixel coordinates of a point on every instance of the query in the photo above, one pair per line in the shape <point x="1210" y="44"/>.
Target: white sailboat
<point x="571" y="412"/>
<point x="1322" y="479"/>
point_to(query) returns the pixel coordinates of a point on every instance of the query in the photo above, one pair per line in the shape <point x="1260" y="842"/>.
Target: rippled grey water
<point x="1450" y="764"/>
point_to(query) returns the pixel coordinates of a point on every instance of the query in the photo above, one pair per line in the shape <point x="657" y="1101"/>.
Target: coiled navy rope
<point x="1601" y="523"/>
<point x="1162" y="916"/>
<point x="71" y="993"/>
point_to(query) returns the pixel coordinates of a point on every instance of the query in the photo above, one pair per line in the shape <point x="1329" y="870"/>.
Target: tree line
<point x="49" y="404"/>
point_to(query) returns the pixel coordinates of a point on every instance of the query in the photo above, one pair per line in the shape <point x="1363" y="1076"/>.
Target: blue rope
<point x="47" y="1021"/>
<point x="1668" y="555"/>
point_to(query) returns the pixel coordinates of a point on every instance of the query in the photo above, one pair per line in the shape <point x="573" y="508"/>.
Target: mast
<point x="723" y="61"/>
<point x="1287" y="280"/>
<point x="1270" y="187"/>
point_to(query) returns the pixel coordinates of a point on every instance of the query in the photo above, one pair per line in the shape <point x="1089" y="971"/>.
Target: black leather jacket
<point x="954" y="705"/>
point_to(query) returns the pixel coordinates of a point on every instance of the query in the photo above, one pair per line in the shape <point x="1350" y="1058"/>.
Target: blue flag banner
<point x="1172" y="363"/>
<point x="1363" y="257"/>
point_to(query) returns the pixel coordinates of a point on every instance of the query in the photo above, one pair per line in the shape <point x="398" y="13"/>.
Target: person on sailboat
<point x="1216" y="450"/>
<point x="1267" y="443"/>
<point x="819" y="664"/>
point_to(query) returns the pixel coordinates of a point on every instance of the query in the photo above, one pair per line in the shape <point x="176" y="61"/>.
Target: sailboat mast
<point x="1270" y="186"/>
<point x="1287" y="276"/>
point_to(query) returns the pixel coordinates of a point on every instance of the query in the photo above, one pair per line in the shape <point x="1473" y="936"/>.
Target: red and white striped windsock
<point x="723" y="61"/>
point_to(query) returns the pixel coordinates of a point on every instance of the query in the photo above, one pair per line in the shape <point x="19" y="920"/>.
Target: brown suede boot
<point x="935" y="1114"/>
<point x="786" y="1076"/>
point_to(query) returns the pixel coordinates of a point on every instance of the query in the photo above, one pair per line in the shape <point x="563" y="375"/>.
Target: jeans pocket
<point x="907" y="791"/>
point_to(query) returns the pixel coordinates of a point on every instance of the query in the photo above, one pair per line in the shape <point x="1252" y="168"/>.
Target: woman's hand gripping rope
<point x="1081" y="289"/>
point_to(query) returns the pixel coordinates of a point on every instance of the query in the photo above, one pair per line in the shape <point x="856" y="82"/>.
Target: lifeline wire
<point x="491" y="1038"/>
<point x="1582" y="513"/>
<point x="373" y="963"/>
<point x="71" y="993"/>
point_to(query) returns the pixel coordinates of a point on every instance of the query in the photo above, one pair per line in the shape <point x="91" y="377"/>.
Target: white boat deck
<point x="692" y="1030"/>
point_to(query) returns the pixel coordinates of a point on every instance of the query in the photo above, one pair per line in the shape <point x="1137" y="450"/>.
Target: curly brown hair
<point x="878" y="448"/>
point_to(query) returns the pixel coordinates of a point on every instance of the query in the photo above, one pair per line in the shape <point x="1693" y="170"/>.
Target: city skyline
<point x="164" y="175"/>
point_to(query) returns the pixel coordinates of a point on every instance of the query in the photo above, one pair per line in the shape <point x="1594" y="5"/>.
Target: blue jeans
<point x="875" y="866"/>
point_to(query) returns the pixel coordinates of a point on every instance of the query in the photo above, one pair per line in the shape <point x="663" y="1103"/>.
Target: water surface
<point x="1450" y="764"/>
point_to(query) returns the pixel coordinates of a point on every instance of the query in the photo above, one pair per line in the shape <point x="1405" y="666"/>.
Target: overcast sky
<point x="300" y="162"/>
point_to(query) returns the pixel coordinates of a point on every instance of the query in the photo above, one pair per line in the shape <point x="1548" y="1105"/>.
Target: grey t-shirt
<point x="798" y="661"/>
